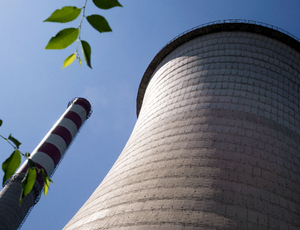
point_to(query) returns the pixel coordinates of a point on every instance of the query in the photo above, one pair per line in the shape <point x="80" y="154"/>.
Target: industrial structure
<point x="47" y="156"/>
<point x="216" y="143"/>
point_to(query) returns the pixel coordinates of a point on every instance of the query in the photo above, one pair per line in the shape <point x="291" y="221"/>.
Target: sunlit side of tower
<point x="216" y="143"/>
<point x="47" y="156"/>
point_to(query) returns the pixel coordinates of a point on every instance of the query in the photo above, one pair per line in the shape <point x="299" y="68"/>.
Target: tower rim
<point x="213" y="27"/>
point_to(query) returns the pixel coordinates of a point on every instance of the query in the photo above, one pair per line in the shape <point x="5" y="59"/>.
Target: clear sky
<point x="34" y="90"/>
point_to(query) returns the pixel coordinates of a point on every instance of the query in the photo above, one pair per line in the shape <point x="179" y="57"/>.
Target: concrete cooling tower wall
<point x="216" y="144"/>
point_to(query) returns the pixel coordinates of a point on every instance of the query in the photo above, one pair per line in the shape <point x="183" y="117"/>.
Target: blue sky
<point x="34" y="90"/>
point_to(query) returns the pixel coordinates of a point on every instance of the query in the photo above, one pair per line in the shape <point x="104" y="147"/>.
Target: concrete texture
<point x="216" y="143"/>
<point x="12" y="214"/>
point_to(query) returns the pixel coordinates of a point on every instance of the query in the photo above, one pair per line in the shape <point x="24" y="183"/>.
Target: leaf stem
<point x="15" y="147"/>
<point x="6" y="139"/>
<point x="79" y="27"/>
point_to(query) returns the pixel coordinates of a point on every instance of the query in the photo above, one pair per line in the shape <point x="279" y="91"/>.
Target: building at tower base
<point x="216" y="143"/>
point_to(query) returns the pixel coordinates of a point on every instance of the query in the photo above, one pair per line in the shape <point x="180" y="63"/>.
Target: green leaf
<point x="69" y="60"/>
<point x="14" y="140"/>
<point x="46" y="186"/>
<point x="86" y="50"/>
<point x="46" y="181"/>
<point x="27" y="183"/>
<point x="10" y="165"/>
<point x="79" y="61"/>
<point x="99" y="23"/>
<point x="65" y="14"/>
<point x="63" y="39"/>
<point x="1" y="122"/>
<point x="106" y="4"/>
<point x="31" y="164"/>
<point x="44" y="175"/>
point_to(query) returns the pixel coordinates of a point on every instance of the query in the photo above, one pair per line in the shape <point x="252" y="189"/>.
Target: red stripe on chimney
<point x="64" y="133"/>
<point x="73" y="116"/>
<point x="84" y="103"/>
<point x="52" y="151"/>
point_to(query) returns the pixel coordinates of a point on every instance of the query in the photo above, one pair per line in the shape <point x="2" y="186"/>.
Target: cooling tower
<point x="216" y="143"/>
<point x="47" y="156"/>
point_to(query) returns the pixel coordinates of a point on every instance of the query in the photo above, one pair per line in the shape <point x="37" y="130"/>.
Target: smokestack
<point x="47" y="155"/>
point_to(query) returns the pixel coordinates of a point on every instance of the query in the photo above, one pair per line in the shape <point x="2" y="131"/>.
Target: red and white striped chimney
<point x="47" y="156"/>
<point x="52" y="148"/>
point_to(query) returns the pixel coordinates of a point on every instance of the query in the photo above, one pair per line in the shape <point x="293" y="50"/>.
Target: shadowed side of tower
<point x="216" y="143"/>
